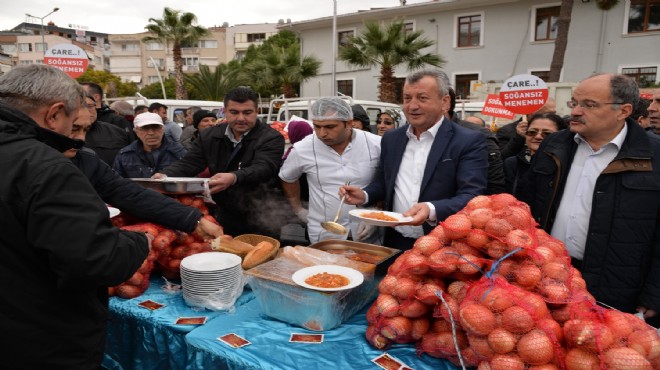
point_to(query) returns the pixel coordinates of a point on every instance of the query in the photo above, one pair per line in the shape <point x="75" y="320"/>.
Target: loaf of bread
<point x="227" y="244"/>
<point x="261" y="253"/>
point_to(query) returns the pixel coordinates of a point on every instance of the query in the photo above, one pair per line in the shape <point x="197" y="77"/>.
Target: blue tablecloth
<point x="142" y="339"/>
<point x="343" y="348"/>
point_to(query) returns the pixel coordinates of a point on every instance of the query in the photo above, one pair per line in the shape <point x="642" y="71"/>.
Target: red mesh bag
<point x="609" y="339"/>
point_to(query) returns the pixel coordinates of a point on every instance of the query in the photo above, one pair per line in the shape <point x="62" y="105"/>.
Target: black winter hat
<point x="200" y="115"/>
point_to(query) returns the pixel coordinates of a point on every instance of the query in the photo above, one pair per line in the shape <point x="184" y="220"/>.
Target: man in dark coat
<point x="58" y="249"/>
<point x="596" y="187"/>
<point x="104" y="138"/>
<point x="243" y="156"/>
<point x="454" y="169"/>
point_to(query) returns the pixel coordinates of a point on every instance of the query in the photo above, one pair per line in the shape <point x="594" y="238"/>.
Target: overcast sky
<point x="123" y="16"/>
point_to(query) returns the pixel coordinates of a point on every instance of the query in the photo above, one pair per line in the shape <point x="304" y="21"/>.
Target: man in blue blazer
<point x="430" y="168"/>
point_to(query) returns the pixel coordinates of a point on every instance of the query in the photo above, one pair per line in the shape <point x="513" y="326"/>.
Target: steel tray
<point x="174" y="185"/>
<point x="383" y="254"/>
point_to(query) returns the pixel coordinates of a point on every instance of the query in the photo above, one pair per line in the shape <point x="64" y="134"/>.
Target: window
<point x="153" y="45"/>
<point x="152" y="79"/>
<point x="8" y="48"/>
<point x="644" y="16"/>
<point x="645" y="76"/>
<point x="24" y="48"/>
<point x="191" y="61"/>
<point x="469" y="31"/>
<point x="546" y="23"/>
<point x="158" y="62"/>
<point x="463" y="85"/>
<point x="130" y="47"/>
<point x="408" y="27"/>
<point x="343" y="38"/>
<point x="256" y="37"/>
<point x="544" y="75"/>
<point x="40" y="47"/>
<point x="208" y="44"/>
<point x="345" y="87"/>
<point x="24" y="62"/>
<point x="186" y="44"/>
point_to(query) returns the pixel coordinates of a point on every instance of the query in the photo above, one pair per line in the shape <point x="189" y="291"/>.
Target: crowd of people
<point x="591" y="179"/>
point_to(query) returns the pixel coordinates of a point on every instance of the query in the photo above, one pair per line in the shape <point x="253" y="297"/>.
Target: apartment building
<point x="490" y="40"/>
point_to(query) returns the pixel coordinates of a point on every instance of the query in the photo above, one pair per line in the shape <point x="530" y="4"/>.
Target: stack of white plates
<point x="211" y="280"/>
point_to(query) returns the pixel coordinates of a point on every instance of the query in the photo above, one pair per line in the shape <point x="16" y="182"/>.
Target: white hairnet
<point x="331" y="108"/>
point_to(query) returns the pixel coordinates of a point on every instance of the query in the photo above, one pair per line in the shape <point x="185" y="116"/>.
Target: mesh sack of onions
<point x="603" y="338"/>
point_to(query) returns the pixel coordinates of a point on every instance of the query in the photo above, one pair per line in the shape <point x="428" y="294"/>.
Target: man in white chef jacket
<point x="333" y="156"/>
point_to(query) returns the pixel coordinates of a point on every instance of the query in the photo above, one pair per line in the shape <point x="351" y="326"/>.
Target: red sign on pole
<point x="524" y="94"/>
<point x="493" y="107"/>
<point x="69" y="58"/>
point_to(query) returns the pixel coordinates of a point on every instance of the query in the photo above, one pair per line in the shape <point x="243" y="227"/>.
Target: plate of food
<point x="379" y="218"/>
<point x="113" y="211"/>
<point x="328" y="278"/>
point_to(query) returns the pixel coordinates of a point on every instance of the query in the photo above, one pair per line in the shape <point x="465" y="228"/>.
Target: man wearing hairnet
<point x="334" y="156"/>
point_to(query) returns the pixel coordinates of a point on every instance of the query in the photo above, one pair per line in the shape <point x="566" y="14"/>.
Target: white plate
<point x="113" y="211"/>
<point x="210" y="261"/>
<point x="355" y="277"/>
<point x="372" y="221"/>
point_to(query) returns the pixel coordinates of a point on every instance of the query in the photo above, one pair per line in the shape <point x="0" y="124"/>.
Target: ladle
<point x="333" y="226"/>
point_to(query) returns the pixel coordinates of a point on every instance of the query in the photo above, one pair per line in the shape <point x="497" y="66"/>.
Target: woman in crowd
<point x="515" y="168"/>
<point x="388" y="120"/>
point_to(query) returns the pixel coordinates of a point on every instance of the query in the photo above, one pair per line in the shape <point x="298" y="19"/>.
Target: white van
<point x="176" y="109"/>
<point x="282" y="109"/>
<point x="466" y="109"/>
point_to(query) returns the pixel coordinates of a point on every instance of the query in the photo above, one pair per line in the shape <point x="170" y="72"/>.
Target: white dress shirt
<point x="409" y="178"/>
<point x="572" y="220"/>
<point x="326" y="171"/>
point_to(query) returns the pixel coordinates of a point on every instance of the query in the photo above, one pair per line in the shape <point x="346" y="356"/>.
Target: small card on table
<point x="388" y="362"/>
<point x="234" y="340"/>
<point x="306" y="338"/>
<point x="201" y="320"/>
<point x="151" y="305"/>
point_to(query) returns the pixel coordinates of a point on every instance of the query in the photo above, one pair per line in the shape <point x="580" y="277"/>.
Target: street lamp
<point x="43" y="42"/>
<point x="334" y="48"/>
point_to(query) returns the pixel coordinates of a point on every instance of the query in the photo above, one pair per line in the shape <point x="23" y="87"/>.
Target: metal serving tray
<point x="383" y="254"/>
<point x="174" y="185"/>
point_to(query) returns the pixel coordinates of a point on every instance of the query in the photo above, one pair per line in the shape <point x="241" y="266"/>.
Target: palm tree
<point x="212" y="85"/>
<point x="180" y="29"/>
<point x="563" y="24"/>
<point x="388" y="46"/>
<point x="276" y="67"/>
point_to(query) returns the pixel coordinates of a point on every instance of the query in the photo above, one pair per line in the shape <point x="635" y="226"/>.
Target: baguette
<point x="261" y="253"/>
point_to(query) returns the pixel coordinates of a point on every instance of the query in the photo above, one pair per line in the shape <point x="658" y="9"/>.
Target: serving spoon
<point x="333" y="226"/>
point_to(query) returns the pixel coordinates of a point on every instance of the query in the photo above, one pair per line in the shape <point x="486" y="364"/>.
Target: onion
<point x="439" y="233"/>
<point x="453" y="307"/>
<point x="556" y="270"/>
<point x="128" y="291"/>
<point x="414" y="263"/>
<point x="480" y="217"/>
<point x="136" y="279"/>
<point x="497" y="227"/>
<point x="477" y="319"/>
<point x="372" y="314"/>
<point x="477" y="239"/>
<point x="388" y="284"/>
<point x="586" y="334"/>
<point x="405" y="288"/>
<point x="457" y="226"/>
<point x="625" y="359"/>
<point x="413" y="308"/>
<point x="535" y="348"/>
<point x="426" y="294"/>
<point x="542" y="255"/>
<point x="561" y="313"/>
<point x="496" y="249"/>
<point x="527" y="275"/>
<point x="502" y="341"/>
<point x="480" y="201"/>
<point x="503" y="201"/>
<point x="507" y="362"/>
<point x="387" y="305"/>
<point x="398" y="329"/>
<point x="375" y="338"/>
<point x="552" y="329"/>
<point x="497" y="299"/>
<point x="443" y="261"/>
<point x="481" y="347"/>
<point x="579" y="359"/>
<point x="554" y="291"/>
<point x="470" y="264"/>
<point x="457" y="289"/>
<point x="646" y="342"/>
<point x="516" y="320"/>
<point x="427" y="244"/>
<point x="520" y="239"/>
<point x="419" y="327"/>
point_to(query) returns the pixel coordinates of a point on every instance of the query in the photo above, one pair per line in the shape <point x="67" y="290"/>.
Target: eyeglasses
<point x="385" y="121"/>
<point x="587" y="104"/>
<point x="532" y="133"/>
